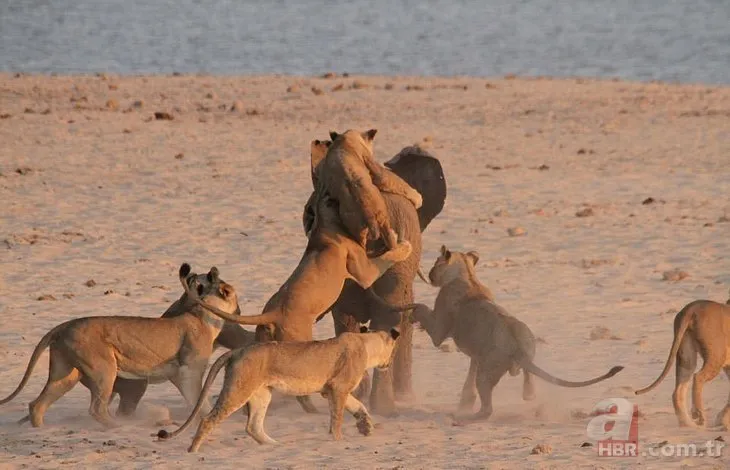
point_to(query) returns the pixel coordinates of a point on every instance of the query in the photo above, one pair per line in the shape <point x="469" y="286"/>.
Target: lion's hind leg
<point x="229" y="401"/>
<point x="469" y="390"/>
<point x="723" y="418"/>
<point x="62" y="377"/>
<point x="713" y="363"/>
<point x="258" y="404"/>
<point x="686" y="364"/>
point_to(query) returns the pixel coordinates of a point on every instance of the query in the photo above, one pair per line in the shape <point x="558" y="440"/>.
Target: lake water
<point x="687" y="41"/>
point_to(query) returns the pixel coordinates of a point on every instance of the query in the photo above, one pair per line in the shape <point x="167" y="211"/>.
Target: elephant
<point x="354" y="306"/>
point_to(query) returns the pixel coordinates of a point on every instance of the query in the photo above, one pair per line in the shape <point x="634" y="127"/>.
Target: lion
<point x="231" y="336"/>
<point x="95" y="350"/>
<point x="330" y="258"/>
<point x="351" y="175"/>
<point x="333" y="367"/>
<point x="495" y="341"/>
<point x="702" y="326"/>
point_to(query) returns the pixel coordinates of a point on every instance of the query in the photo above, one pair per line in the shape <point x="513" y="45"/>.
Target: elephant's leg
<point x="403" y="361"/>
<point x="346" y="323"/>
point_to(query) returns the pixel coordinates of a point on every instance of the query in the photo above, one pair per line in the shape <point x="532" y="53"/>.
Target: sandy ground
<point x="94" y="188"/>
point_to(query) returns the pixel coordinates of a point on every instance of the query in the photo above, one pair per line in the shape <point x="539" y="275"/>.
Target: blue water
<point x="687" y="41"/>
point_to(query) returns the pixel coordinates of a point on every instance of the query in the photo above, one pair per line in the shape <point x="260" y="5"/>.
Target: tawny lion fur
<point x="231" y="336"/>
<point x="94" y="350"/>
<point x="333" y="367"/>
<point x="700" y="327"/>
<point x="351" y="175"/>
<point x="495" y="341"/>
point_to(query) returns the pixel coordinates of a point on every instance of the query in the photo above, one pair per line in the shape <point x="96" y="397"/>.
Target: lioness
<point x="351" y="175"/>
<point x="94" y="350"/>
<point x="231" y="336"/>
<point x="484" y="331"/>
<point x="701" y="326"/>
<point x="329" y="259"/>
<point x="333" y="367"/>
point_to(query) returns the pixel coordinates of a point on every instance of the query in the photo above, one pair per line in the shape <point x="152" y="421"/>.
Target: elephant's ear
<point x="424" y="173"/>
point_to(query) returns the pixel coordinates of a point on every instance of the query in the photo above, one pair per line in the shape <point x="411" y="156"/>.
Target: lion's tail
<point x="687" y="316"/>
<point x="212" y="374"/>
<point x="265" y="318"/>
<point x="530" y="366"/>
<point x="42" y="345"/>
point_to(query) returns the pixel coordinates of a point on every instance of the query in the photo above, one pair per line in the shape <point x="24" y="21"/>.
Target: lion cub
<point x="351" y="175"/>
<point x="484" y="331"/>
<point x="94" y="350"/>
<point x="333" y="367"/>
<point x="701" y="327"/>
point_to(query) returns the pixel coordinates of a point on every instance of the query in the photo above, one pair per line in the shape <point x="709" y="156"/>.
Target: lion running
<point x="333" y="367"/>
<point x="700" y="327"/>
<point x="496" y="342"/>
<point x="94" y="350"/>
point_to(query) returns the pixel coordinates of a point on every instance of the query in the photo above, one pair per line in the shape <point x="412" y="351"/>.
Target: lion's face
<point x="451" y="265"/>
<point x="387" y="353"/>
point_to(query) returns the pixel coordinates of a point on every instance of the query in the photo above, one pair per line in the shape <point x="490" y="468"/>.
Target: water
<point x="687" y="40"/>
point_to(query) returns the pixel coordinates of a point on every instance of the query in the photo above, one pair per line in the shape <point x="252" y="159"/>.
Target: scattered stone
<point x="720" y="439"/>
<point x="587" y="444"/>
<point x="237" y="106"/>
<point x="112" y="104"/>
<point x="46" y="111"/>
<point x="587" y="212"/>
<point x="414" y="88"/>
<point x="329" y="75"/>
<point x="138" y="104"/>
<point x="317" y="91"/>
<point x="490" y="86"/>
<point x="163" y="116"/>
<point x="90" y="283"/>
<point x="29" y="111"/>
<point x="109" y="292"/>
<point x="113" y="86"/>
<point x="722" y="220"/>
<point x="46" y="297"/>
<point x="179" y="156"/>
<point x="388" y="86"/>
<point x="23" y="170"/>
<point x="501" y="213"/>
<point x="674" y="275"/>
<point x="601" y="332"/>
<point x="292" y="89"/>
<point x="110" y="442"/>
<point x="127" y="131"/>
<point x="211" y="96"/>
<point x="338" y="87"/>
<point x="542" y="449"/>
<point x="68" y="296"/>
<point x="649" y="200"/>
<point x="358" y="85"/>
<point x="708" y="224"/>
<point x="5" y="116"/>
<point x="516" y="231"/>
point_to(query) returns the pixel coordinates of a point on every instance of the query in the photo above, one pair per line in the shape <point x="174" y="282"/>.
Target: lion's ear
<point x="317" y="154"/>
<point x="394" y="333"/>
<point x="333" y="135"/>
<point x="369" y="135"/>
<point x="445" y="253"/>
<point x="473" y="256"/>
<point x="184" y="270"/>
<point x="363" y="329"/>
<point x="213" y="275"/>
<point x="226" y="290"/>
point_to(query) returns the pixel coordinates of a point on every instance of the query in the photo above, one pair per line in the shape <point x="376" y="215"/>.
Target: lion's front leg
<point x="437" y="325"/>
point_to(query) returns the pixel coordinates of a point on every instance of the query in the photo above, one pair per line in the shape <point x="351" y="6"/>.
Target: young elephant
<point x="333" y="367"/>
<point x="231" y="336"/>
<point x="94" y="350"/>
<point x="700" y="327"/>
<point x="496" y="341"/>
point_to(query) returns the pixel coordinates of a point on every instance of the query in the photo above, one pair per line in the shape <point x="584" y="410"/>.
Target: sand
<point x="93" y="187"/>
